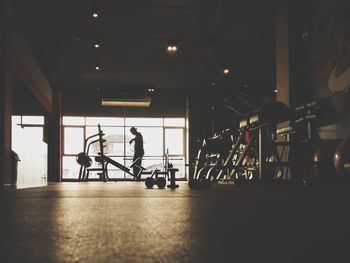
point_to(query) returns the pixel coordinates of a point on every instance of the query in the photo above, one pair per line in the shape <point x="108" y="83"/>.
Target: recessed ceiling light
<point x="275" y="91"/>
<point x="151" y="90"/>
<point x="171" y="49"/>
<point x="226" y="71"/>
<point x="213" y="83"/>
<point x="95" y="15"/>
<point x="97" y="45"/>
<point x="97" y="67"/>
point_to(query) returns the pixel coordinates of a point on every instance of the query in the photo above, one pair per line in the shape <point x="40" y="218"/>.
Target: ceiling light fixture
<point x="126" y="102"/>
<point x="172" y="47"/>
<point x="151" y="90"/>
<point x="97" y="45"/>
<point x="97" y="67"/>
<point x="95" y="14"/>
<point x="226" y="71"/>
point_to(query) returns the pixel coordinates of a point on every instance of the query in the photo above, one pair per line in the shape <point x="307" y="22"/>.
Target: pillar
<point x="55" y="140"/>
<point x="5" y="93"/>
<point x="282" y="56"/>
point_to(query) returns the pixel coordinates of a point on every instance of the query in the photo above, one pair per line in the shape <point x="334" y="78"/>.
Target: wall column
<point x="299" y="17"/>
<point x="55" y="140"/>
<point x="282" y="56"/>
<point x="5" y="93"/>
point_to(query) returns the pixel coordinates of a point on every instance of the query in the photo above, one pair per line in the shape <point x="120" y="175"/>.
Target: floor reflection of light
<point x="123" y="222"/>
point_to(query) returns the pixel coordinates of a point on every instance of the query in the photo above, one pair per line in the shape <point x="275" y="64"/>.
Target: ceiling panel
<point x="211" y="35"/>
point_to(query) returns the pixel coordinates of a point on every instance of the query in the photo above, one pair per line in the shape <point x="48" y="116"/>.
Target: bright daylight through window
<point x="163" y="138"/>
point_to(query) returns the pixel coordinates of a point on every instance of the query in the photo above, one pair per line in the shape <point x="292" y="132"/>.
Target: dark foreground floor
<point x="123" y="222"/>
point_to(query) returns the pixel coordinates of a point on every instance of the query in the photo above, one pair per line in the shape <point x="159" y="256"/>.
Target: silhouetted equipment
<point x="85" y="161"/>
<point x="312" y="115"/>
<point x="263" y="153"/>
<point x="313" y="158"/>
<point x="109" y="160"/>
<point x="172" y="172"/>
<point x="83" y="158"/>
<point x="168" y="172"/>
<point x="240" y="104"/>
<point x="263" y="161"/>
<point x="324" y="111"/>
<point x="271" y="113"/>
<point x="155" y="180"/>
<point x="323" y="161"/>
<point x="211" y="159"/>
<point x="342" y="158"/>
<point x="242" y="158"/>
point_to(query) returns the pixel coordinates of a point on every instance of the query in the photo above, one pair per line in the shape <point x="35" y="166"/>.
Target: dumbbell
<point x="160" y="182"/>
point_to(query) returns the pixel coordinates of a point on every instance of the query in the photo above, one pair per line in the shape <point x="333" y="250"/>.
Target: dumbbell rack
<point x="266" y="162"/>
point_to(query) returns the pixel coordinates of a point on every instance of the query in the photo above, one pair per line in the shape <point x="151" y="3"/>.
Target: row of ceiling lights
<point x="226" y="72"/>
<point x="171" y="48"/>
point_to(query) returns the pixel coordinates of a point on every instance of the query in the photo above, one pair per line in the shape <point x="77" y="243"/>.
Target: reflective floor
<point x="124" y="222"/>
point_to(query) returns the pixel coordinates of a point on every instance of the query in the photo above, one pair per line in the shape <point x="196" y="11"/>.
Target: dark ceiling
<point x="211" y="35"/>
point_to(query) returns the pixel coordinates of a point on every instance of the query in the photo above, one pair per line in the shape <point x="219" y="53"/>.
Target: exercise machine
<point x="313" y="158"/>
<point x="85" y="161"/>
<point x="253" y="156"/>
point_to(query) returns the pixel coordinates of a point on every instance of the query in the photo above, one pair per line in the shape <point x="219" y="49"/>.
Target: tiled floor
<point x="124" y="222"/>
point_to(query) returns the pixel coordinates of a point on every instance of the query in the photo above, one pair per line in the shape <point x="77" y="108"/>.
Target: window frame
<point x="127" y="157"/>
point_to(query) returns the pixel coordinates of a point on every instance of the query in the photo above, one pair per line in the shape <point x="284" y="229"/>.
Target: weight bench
<point x="107" y="160"/>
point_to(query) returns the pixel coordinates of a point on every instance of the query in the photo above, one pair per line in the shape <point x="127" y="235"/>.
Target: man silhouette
<point x="138" y="151"/>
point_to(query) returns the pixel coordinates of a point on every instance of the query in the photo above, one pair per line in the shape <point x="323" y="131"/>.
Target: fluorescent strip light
<point x="140" y="102"/>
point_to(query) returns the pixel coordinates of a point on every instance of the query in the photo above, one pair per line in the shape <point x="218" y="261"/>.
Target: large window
<point x="73" y="139"/>
<point x="163" y="138"/>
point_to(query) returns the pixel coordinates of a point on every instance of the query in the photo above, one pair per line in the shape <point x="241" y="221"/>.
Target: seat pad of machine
<point x="273" y="112"/>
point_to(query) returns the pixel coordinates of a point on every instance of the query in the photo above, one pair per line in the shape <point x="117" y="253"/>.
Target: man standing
<point x="138" y="151"/>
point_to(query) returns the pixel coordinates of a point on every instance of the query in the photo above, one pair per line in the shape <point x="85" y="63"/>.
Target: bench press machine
<point x="85" y="161"/>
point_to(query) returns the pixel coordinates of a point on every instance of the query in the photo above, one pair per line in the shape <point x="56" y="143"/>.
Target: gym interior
<point x="174" y="131"/>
